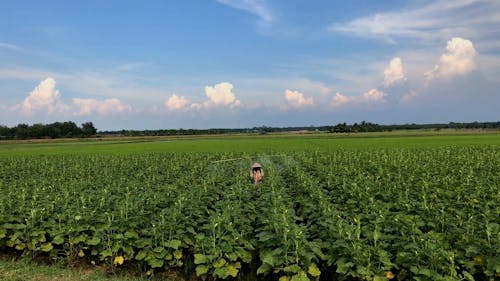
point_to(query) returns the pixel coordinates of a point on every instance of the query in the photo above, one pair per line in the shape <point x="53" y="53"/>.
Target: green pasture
<point x="252" y="143"/>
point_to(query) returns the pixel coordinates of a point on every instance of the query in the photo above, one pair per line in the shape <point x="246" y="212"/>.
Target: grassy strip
<point x="254" y="144"/>
<point x="24" y="269"/>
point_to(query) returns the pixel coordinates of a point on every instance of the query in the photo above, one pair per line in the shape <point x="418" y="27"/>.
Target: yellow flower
<point x="118" y="260"/>
<point x="81" y="254"/>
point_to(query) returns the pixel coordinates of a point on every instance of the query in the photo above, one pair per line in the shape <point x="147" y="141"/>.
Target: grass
<point x="253" y="144"/>
<point x="24" y="269"/>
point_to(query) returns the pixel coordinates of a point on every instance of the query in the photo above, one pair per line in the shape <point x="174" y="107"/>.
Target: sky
<point x="165" y="64"/>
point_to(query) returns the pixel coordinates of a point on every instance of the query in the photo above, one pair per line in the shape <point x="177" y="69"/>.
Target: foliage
<point x="410" y="214"/>
<point x="54" y="130"/>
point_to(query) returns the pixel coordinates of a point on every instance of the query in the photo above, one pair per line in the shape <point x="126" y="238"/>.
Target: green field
<point x="253" y="143"/>
<point x="400" y="206"/>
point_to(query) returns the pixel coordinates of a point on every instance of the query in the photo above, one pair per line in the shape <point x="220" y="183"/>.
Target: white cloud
<point x="339" y="100"/>
<point x="176" y="103"/>
<point x="221" y="95"/>
<point x="101" y="107"/>
<point x="45" y="97"/>
<point x="394" y="73"/>
<point x="434" y="20"/>
<point x="459" y="59"/>
<point x="373" y="95"/>
<point x="296" y="99"/>
<point x="257" y="7"/>
<point x="367" y="98"/>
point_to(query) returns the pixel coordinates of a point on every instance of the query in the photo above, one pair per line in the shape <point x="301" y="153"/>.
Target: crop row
<point x="430" y="214"/>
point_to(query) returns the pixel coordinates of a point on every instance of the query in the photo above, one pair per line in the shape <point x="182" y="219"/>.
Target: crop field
<point x="346" y="208"/>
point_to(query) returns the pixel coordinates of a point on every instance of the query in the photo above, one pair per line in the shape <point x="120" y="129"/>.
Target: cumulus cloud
<point x="221" y="95"/>
<point x="459" y="59"/>
<point x="394" y="73"/>
<point x="296" y="99"/>
<point x="373" y="95"/>
<point x="176" y="103"/>
<point x="367" y="98"/>
<point x="101" y="107"/>
<point x="339" y="100"/>
<point x="218" y="96"/>
<point x="45" y="97"/>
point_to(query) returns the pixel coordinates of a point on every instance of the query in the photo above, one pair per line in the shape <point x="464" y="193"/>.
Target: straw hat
<point x="256" y="166"/>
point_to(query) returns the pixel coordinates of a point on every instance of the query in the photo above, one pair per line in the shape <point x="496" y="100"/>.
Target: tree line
<point x="71" y="130"/>
<point x="54" y="130"/>
<point x="339" y="128"/>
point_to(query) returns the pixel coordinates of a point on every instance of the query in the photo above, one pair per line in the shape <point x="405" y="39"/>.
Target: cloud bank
<point x="101" y="107"/>
<point x="46" y="98"/>
<point x="435" y="20"/>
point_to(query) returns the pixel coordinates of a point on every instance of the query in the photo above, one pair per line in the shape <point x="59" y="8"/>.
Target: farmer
<point x="256" y="173"/>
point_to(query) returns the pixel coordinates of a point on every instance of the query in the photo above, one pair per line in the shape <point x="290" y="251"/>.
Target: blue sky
<point x="244" y="63"/>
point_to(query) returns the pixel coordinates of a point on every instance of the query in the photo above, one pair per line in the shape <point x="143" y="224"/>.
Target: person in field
<point x="256" y="173"/>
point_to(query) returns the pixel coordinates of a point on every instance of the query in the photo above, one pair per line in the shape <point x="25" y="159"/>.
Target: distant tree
<point x="88" y="129"/>
<point x="22" y="131"/>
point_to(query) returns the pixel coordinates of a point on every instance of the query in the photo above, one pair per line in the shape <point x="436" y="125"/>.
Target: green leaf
<point x="313" y="270"/>
<point x="141" y="255"/>
<point x="201" y="270"/>
<point x="200" y="258"/>
<point x="177" y="254"/>
<point x="174" y="244"/>
<point x="343" y="266"/>
<point x="106" y="253"/>
<point x="244" y="255"/>
<point x="94" y="241"/>
<point x="16" y="226"/>
<point x="264" y="268"/>
<point x="292" y="269"/>
<point x="268" y="258"/>
<point x="131" y="234"/>
<point x="191" y="230"/>
<point x="467" y="276"/>
<point x="21" y="246"/>
<point x="143" y="242"/>
<point x="301" y="276"/>
<point x="3" y="233"/>
<point x="219" y="263"/>
<point x="46" y="247"/>
<point x="58" y="240"/>
<point x="233" y="271"/>
<point x="155" y="263"/>
<point x="79" y="239"/>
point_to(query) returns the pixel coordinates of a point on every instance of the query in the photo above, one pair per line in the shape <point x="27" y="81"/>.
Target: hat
<point x="256" y="165"/>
